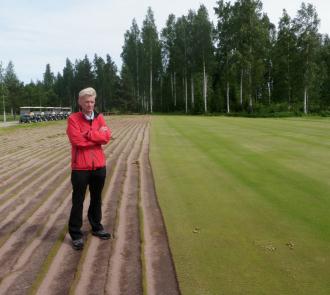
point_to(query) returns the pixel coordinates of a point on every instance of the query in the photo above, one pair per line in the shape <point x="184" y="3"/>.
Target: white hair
<point x="87" y="92"/>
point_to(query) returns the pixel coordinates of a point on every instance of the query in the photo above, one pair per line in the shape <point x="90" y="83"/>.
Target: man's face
<point x="87" y="104"/>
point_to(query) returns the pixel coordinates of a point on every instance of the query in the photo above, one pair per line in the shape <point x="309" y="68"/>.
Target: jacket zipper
<point x="92" y="154"/>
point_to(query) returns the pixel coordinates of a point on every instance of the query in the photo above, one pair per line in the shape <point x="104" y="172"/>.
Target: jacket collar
<point x="83" y="115"/>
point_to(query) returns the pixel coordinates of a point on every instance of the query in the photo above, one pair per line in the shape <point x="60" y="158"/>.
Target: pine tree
<point x="12" y="87"/>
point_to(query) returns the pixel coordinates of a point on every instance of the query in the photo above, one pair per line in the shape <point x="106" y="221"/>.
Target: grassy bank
<point x="9" y="117"/>
<point x="246" y="202"/>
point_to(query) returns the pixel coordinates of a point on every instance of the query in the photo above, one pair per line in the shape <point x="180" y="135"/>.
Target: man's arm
<point x="76" y="137"/>
<point x="101" y="136"/>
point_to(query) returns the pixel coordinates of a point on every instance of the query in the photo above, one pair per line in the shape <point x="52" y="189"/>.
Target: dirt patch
<point x="35" y="204"/>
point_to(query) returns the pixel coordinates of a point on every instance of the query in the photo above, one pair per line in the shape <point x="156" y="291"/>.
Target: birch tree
<point x="168" y="37"/>
<point x="204" y="47"/>
<point x="151" y="52"/>
<point x="250" y="39"/>
<point x="225" y="45"/>
<point x="306" y="26"/>
<point x="181" y="47"/>
<point x="284" y="56"/>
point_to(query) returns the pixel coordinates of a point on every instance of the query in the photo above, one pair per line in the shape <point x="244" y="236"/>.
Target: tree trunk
<point x="3" y="105"/>
<point x="305" y="100"/>
<point x="161" y="93"/>
<point x="204" y="87"/>
<point x="151" y="88"/>
<point x="137" y="79"/>
<point x="288" y="73"/>
<point x="186" y="92"/>
<point x="172" y="87"/>
<point x="174" y="90"/>
<point x="306" y="81"/>
<point x="241" y="88"/>
<point x="228" y="107"/>
<point x="192" y="93"/>
<point x="250" y="88"/>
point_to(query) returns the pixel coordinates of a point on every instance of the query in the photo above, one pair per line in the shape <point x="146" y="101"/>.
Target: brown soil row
<point x="35" y="251"/>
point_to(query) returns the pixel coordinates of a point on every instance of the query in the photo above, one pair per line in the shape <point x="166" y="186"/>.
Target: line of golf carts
<point x="43" y="114"/>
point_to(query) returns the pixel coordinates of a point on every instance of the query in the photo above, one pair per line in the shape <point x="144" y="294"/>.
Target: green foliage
<point x="242" y="64"/>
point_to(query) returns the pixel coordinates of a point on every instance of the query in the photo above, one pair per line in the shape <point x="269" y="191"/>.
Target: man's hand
<point x="104" y="129"/>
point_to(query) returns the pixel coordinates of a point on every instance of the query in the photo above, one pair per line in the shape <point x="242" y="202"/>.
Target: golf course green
<point x="246" y="202"/>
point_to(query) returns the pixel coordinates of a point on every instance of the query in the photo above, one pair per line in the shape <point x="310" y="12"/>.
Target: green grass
<point x="258" y="192"/>
<point x="9" y="129"/>
<point x="9" y="117"/>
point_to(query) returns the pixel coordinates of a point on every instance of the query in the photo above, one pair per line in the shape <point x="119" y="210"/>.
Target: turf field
<point x="246" y="202"/>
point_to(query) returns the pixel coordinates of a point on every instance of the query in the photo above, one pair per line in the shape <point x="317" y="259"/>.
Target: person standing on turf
<point x="87" y="132"/>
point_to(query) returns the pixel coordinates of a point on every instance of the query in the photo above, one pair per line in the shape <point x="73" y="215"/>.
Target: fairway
<point x="246" y="202"/>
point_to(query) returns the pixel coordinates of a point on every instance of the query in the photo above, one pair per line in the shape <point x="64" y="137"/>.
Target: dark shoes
<point x="102" y="234"/>
<point x="78" y="244"/>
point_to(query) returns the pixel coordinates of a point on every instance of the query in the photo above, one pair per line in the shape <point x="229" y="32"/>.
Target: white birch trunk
<point x="186" y="92"/>
<point x="192" y="93"/>
<point x="174" y="89"/>
<point x="306" y="80"/>
<point x="305" y="100"/>
<point x="172" y="94"/>
<point x="204" y="87"/>
<point x="206" y="82"/>
<point x="151" y="89"/>
<point x="250" y="86"/>
<point x="228" y="107"/>
<point x="288" y="73"/>
<point x="137" y="80"/>
<point x="241" y="88"/>
<point x="161" y="93"/>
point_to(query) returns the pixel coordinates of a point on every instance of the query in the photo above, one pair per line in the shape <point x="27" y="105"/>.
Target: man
<point x="87" y="131"/>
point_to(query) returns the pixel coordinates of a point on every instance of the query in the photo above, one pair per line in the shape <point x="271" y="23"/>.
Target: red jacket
<point x="86" y="140"/>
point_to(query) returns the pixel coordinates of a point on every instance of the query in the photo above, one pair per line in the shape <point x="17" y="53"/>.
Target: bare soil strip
<point x="95" y="265"/>
<point x="125" y="273"/>
<point x="36" y="256"/>
<point x="160" y="272"/>
<point x="65" y="264"/>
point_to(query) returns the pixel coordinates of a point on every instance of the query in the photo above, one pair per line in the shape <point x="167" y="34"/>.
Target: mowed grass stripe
<point x="247" y="211"/>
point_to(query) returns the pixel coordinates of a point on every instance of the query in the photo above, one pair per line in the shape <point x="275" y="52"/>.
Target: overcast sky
<point x="36" y="32"/>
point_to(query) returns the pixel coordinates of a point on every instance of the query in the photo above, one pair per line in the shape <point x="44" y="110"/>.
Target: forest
<point x="240" y="65"/>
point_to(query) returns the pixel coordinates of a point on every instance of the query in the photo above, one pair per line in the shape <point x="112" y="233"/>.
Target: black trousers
<point x="80" y="179"/>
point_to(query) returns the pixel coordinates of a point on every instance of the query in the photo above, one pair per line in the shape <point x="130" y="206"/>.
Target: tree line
<point x="62" y="89"/>
<point x="242" y="64"/>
